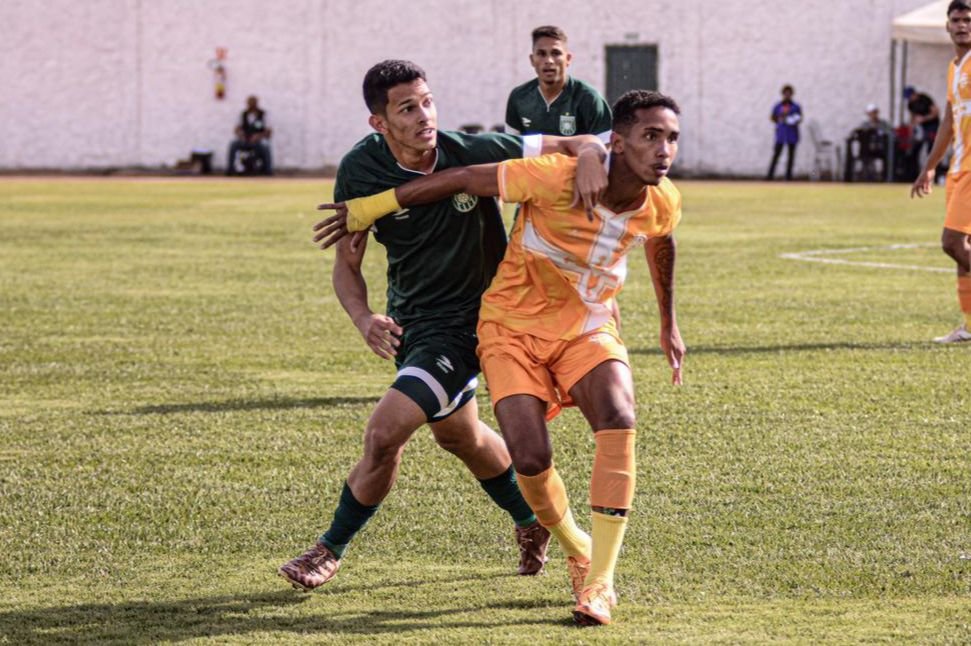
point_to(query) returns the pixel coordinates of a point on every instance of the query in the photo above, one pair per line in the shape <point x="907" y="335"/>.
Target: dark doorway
<point x="630" y="67"/>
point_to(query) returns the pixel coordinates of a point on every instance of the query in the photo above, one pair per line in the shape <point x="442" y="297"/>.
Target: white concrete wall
<point x="110" y="83"/>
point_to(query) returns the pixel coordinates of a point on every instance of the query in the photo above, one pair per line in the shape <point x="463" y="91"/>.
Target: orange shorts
<point x="518" y="363"/>
<point x="958" y="199"/>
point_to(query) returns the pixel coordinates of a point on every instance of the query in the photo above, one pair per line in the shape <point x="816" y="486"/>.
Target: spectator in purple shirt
<point x="786" y="115"/>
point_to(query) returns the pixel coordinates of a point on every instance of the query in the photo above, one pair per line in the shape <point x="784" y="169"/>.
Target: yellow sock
<point x="608" y="535"/>
<point x="546" y="495"/>
<point x="573" y="540"/>
<point x="964" y="299"/>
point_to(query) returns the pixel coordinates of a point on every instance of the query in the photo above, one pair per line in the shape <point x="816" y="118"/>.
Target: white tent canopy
<point x="924" y="25"/>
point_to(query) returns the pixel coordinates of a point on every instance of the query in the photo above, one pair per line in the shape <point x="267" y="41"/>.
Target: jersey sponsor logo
<point x="463" y="202"/>
<point x="444" y="364"/>
<point x="568" y="125"/>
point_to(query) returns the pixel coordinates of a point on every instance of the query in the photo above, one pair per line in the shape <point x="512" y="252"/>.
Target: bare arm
<point x="922" y="185"/>
<point x="380" y="332"/>
<point x="660" y="254"/>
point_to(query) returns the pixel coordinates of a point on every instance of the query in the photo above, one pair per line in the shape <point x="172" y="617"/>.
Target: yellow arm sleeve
<point x="363" y="211"/>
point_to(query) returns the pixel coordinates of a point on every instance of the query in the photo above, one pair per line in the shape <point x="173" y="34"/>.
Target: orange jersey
<point x="959" y="96"/>
<point x="561" y="271"/>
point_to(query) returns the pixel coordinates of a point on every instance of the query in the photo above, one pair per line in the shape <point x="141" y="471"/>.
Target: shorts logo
<point x="568" y="125"/>
<point x="463" y="202"/>
<point x="443" y="363"/>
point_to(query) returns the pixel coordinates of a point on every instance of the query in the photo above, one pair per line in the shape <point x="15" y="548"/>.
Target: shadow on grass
<point x="149" y="622"/>
<point x="277" y="403"/>
<point x="794" y="347"/>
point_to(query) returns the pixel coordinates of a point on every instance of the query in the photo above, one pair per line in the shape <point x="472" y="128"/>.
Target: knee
<point x="617" y="419"/>
<point x="459" y="443"/>
<point x="383" y="445"/>
<point x="953" y="243"/>
<point x="531" y="461"/>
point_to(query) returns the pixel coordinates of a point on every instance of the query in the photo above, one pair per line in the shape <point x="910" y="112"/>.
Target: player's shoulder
<point x="524" y="89"/>
<point x="579" y="86"/>
<point x="365" y="168"/>
<point x="666" y="194"/>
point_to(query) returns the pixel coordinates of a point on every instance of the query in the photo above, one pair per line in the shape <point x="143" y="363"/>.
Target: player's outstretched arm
<point x="380" y="332"/>
<point x="925" y="181"/>
<point x="660" y="254"/>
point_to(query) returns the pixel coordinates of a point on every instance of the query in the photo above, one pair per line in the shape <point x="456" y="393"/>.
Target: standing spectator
<point x="925" y="118"/>
<point x="786" y="115"/>
<point x="252" y="135"/>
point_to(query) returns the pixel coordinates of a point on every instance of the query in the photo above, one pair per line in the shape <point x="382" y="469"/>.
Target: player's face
<point x="410" y="119"/>
<point x="550" y="59"/>
<point x="650" y="147"/>
<point x="959" y="27"/>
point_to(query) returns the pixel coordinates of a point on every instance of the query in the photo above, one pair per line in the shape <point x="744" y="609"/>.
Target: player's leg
<point x="790" y="159"/>
<point x="605" y="395"/>
<point x="484" y="453"/>
<point x="392" y="423"/>
<point x="522" y="421"/>
<point x="956" y="243"/>
<point x="522" y="391"/>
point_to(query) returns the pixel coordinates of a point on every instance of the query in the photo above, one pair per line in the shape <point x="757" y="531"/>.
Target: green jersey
<point x="441" y="256"/>
<point x="578" y="110"/>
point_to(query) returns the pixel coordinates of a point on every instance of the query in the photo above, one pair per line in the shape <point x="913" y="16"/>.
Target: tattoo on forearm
<point x="663" y="254"/>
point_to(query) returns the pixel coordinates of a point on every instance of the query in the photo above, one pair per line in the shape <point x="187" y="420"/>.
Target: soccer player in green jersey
<point x="555" y="103"/>
<point x="441" y="257"/>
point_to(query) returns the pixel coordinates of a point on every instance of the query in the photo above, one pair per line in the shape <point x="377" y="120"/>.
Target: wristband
<point x="363" y="211"/>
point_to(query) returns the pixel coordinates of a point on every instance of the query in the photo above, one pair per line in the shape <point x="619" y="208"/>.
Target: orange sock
<point x="614" y="470"/>
<point x="546" y="495"/>
<point x="964" y="298"/>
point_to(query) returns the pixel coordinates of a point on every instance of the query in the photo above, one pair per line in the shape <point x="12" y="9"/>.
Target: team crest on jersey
<point x="568" y="125"/>
<point x="464" y="202"/>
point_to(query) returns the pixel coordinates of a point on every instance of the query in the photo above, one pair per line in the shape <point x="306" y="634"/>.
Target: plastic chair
<point x="826" y="154"/>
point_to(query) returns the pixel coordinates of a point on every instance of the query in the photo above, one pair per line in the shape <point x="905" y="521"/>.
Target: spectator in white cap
<point x="873" y="120"/>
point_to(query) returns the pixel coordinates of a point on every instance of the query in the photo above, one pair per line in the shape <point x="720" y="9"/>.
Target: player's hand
<point x="923" y="184"/>
<point x="674" y="351"/>
<point x="329" y="230"/>
<point x="591" y="178"/>
<point x="381" y="334"/>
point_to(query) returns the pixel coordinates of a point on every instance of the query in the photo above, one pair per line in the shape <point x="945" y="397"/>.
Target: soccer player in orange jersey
<point x="547" y="338"/>
<point x="955" y="128"/>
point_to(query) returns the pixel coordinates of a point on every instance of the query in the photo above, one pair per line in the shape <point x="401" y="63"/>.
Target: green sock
<point x="349" y="517"/>
<point x="505" y="492"/>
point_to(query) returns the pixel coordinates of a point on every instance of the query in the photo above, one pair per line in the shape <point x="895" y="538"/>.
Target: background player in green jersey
<point x="441" y="257"/>
<point x="555" y="103"/>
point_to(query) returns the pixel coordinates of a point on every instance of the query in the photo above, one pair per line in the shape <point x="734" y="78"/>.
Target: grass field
<point x="182" y="396"/>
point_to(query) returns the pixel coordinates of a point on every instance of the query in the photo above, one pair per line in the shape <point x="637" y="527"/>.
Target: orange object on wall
<point x="218" y="66"/>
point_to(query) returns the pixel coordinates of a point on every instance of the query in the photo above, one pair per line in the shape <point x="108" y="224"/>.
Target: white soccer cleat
<point x="959" y="335"/>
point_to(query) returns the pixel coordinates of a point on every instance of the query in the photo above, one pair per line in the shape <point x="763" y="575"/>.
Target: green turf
<point x="182" y="396"/>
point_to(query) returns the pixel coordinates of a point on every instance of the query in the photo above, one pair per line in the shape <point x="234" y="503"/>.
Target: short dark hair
<point x="788" y="88"/>
<point x="626" y="107"/>
<point x="958" y="5"/>
<point x="384" y="76"/>
<point x="548" y="31"/>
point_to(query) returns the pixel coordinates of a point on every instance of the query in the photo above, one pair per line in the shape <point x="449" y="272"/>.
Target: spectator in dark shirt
<point x="252" y="136"/>
<point x="925" y="118"/>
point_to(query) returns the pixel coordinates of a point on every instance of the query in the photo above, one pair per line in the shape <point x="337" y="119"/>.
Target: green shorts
<point x="437" y="368"/>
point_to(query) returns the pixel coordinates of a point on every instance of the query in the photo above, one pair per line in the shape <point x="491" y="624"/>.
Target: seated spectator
<point x="252" y="139"/>
<point x="873" y="120"/>
<point x="870" y="144"/>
